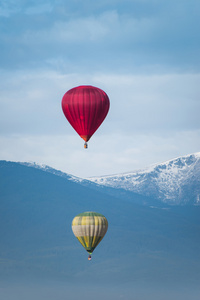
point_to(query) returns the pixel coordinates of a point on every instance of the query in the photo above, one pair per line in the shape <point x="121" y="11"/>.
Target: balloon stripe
<point x="88" y="229"/>
<point x="97" y="241"/>
<point x="82" y="241"/>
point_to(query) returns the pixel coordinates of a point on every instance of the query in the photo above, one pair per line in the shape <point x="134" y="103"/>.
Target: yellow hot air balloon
<point x="89" y="228"/>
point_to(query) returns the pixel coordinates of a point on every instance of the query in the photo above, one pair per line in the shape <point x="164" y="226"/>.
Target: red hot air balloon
<point x="85" y="107"/>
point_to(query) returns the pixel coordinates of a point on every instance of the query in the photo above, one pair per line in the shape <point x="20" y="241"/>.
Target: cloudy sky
<point x="143" y="53"/>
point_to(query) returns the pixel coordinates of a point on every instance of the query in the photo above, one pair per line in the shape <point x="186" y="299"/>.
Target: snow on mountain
<point x="51" y="170"/>
<point x="176" y="181"/>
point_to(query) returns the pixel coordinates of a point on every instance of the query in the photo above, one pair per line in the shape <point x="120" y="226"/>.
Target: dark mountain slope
<point x="142" y="244"/>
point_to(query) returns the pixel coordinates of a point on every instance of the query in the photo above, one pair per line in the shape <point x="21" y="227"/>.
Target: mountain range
<point x="151" y="249"/>
<point x="175" y="182"/>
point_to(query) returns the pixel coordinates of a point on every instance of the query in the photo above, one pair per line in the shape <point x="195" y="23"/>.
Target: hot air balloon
<point x="85" y="107"/>
<point x="89" y="228"/>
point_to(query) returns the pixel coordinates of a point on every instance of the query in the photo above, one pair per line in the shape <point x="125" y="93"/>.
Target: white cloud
<point x="143" y="103"/>
<point x="31" y="102"/>
<point x="108" y="37"/>
<point x="107" y="154"/>
<point x="107" y="27"/>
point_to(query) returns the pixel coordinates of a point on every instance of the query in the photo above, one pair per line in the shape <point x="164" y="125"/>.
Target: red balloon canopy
<point x="85" y="107"/>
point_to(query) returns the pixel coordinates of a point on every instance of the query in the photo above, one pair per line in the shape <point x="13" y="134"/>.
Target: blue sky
<point x="143" y="53"/>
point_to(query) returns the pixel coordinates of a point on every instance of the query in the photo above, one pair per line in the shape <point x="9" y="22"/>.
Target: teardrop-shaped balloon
<point x="85" y="107"/>
<point x="89" y="228"/>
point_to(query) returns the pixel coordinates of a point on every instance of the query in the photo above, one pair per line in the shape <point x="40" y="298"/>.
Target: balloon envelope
<point x="89" y="228"/>
<point x="85" y="107"/>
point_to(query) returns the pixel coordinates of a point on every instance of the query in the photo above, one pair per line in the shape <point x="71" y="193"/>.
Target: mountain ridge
<point x="170" y="182"/>
<point x="174" y="182"/>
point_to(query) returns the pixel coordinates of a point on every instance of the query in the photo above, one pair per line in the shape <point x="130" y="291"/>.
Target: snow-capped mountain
<point x="174" y="182"/>
<point x="48" y="169"/>
<point x="144" y="245"/>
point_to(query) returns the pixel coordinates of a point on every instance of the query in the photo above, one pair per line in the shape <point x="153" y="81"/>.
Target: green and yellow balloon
<point x="89" y="228"/>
